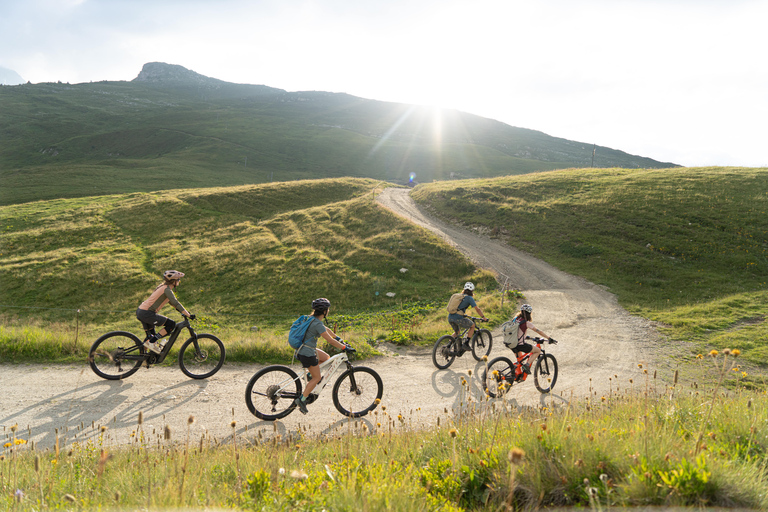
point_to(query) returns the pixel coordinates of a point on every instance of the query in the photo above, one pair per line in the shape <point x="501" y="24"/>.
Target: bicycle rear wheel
<point x="545" y="373"/>
<point x="482" y="342"/>
<point x="498" y="377"/>
<point x="116" y="355"/>
<point x="270" y="393"/>
<point x="201" y="357"/>
<point x="444" y="351"/>
<point x="357" y="392"/>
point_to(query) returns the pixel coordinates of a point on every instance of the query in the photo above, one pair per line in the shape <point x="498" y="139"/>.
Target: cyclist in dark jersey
<point x="149" y="317"/>
<point x="459" y="319"/>
<point x="309" y="355"/>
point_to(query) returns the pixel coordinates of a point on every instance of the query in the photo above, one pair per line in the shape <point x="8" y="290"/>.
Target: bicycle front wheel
<point x="201" y="357"/>
<point x="270" y="393"/>
<point x="482" y="342"/>
<point x="444" y="351"/>
<point x="357" y="392"/>
<point x="498" y="377"/>
<point x="545" y="373"/>
<point x="116" y="355"/>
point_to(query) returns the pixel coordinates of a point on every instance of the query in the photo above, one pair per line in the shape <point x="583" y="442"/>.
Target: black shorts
<point x="150" y="319"/>
<point x="525" y="348"/>
<point x="308" y="361"/>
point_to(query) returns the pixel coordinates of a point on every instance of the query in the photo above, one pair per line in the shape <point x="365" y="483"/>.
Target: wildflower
<point x="453" y="432"/>
<point x="603" y="477"/>
<point x="233" y="424"/>
<point x="713" y="353"/>
<point x="603" y="398"/>
<point x="495" y="373"/>
<point x="20" y="441"/>
<point x="281" y="471"/>
<point x="727" y="352"/>
<point x="299" y="475"/>
<point x="7" y="445"/>
<point x="579" y="463"/>
<point x="544" y="426"/>
<point x="485" y="358"/>
<point x="735" y="352"/>
<point x="103" y="429"/>
<point x="515" y="456"/>
<point x="190" y="420"/>
<point x="639" y="365"/>
<point x="377" y="401"/>
<point x="699" y="356"/>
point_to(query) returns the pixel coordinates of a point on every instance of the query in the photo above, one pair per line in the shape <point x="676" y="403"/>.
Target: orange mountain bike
<point x="501" y="373"/>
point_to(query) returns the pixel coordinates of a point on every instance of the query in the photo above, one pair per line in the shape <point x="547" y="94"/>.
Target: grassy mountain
<point x="686" y="247"/>
<point x="171" y="128"/>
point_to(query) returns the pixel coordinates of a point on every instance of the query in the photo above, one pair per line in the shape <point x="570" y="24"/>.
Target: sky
<point x="681" y="81"/>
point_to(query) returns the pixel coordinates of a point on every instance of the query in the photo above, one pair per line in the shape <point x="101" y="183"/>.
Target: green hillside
<point x="172" y="128"/>
<point x="252" y="250"/>
<point x="686" y="247"/>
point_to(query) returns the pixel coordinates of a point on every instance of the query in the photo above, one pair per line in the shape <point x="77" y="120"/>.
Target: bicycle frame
<point x="159" y="358"/>
<point x="520" y="375"/>
<point x="328" y="370"/>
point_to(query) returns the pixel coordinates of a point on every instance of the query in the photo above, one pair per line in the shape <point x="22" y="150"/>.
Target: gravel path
<point x="598" y="342"/>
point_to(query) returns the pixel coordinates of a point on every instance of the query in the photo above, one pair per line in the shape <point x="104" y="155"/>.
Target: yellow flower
<point x="713" y="353"/>
<point x="453" y="432"/>
<point x="20" y="441"/>
<point x="7" y="445"/>
<point x="735" y="352"/>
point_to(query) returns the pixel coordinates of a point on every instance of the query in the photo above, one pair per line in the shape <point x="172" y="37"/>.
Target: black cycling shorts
<point x="150" y="319"/>
<point x="524" y="347"/>
<point x="308" y="361"/>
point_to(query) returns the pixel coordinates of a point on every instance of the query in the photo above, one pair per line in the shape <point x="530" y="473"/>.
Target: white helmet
<point x="469" y="286"/>
<point x="527" y="308"/>
<point x="171" y="275"/>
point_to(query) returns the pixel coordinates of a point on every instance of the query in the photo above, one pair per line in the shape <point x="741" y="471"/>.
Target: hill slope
<point x="686" y="247"/>
<point x="258" y="250"/>
<point x="173" y="128"/>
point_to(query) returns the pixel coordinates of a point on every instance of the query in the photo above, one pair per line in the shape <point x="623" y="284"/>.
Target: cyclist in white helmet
<point x="459" y="320"/>
<point x="523" y="321"/>
<point x="149" y="317"/>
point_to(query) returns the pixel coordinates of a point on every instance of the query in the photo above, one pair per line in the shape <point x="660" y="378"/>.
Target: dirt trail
<point x="598" y="341"/>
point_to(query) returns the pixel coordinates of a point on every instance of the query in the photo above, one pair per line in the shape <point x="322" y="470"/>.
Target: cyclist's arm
<point x="175" y="302"/>
<point x="330" y="337"/>
<point x="480" y="311"/>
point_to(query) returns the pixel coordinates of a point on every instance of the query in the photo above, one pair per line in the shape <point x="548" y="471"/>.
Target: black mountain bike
<point x="501" y="373"/>
<point x="447" y="348"/>
<point x="120" y="354"/>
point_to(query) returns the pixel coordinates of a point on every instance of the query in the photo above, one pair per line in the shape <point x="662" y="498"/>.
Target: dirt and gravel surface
<point x="600" y="347"/>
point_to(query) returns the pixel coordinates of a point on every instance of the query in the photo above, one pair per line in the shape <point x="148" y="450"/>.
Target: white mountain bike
<point x="271" y="392"/>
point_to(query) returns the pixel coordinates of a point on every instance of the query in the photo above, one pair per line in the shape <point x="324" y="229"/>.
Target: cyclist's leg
<point x="312" y="365"/>
<point x="466" y="323"/>
<point x="456" y="329"/>
<point x="526" y="348"/>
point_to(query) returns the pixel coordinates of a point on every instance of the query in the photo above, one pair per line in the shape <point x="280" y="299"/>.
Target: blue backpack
<point x="298" y="330"/>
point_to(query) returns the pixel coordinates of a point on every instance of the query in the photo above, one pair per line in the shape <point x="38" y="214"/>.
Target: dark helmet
<point x="321" y="303"/>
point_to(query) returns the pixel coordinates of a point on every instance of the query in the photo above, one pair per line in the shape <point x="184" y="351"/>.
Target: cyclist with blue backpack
<point x="309" y="355"/>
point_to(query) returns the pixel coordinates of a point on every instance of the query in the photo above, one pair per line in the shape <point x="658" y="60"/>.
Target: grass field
<point x="685" y="247"/>
<point x="255" y="257"/>
<point x="689" y="444"/>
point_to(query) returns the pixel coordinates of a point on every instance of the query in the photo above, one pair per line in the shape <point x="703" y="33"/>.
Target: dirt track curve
<point x="598" y="340"/>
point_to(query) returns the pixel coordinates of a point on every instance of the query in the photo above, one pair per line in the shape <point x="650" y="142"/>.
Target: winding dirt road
<point x="599" y="350"/>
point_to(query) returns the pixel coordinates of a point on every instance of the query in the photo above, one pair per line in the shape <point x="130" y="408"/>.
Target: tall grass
<point x="642" y="444"/>
<point x="685" y="247"/>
